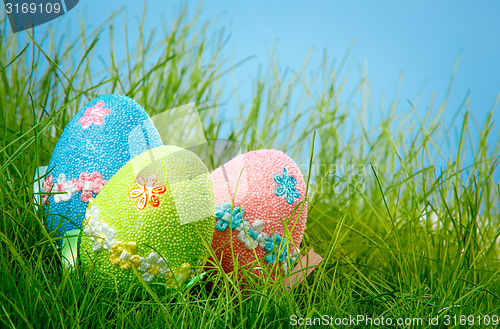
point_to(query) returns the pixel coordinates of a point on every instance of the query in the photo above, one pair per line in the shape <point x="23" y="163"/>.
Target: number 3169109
<point x="33" y="8"/>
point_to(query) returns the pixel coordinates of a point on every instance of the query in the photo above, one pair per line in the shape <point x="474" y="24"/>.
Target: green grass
<point x="406" y="230"/>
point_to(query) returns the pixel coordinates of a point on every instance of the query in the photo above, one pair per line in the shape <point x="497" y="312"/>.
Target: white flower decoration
<point x="153" y="266"/>
<point x="99" y="232"/>
<point x="253" y="236"/>
<point x="64" y="186"/>
<point x="293" y="257"/>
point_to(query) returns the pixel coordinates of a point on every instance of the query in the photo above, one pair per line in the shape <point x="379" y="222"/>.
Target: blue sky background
<point x="422" y="40"/>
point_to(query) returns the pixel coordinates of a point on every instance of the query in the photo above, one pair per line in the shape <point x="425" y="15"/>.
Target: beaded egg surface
<point x="268" y="191"/>
<point x="153" y="220"/>
<point x="102" y="136"/>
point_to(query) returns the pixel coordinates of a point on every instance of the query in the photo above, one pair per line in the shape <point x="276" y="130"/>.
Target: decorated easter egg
<point x="153" y="221"/>
<point x="102" y="136"/>
<point x="261" y="213"/>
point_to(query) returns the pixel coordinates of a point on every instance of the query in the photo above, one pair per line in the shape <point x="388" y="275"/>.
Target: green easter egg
<point x="152" y="221"/>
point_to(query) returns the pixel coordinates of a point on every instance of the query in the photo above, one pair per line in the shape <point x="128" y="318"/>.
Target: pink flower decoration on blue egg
<point x="94" y="115"/>
<point x="102" y="136"/>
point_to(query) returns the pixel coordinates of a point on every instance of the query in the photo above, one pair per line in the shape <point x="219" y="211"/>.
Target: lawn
<point x="408" y="229"/>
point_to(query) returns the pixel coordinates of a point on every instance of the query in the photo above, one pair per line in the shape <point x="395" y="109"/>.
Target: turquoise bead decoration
<point x="286" y="186"/>
<point x="274" y="247"/>
<point x="224" y="217"/>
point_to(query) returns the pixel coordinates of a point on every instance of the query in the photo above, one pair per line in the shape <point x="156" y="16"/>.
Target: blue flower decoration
<point x="286" y="186"/>
<point x="223" y="214"/>
<point x="274" y="246"/>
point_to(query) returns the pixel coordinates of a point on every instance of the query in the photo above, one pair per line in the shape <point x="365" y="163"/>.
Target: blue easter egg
<point x="102" y="136"/>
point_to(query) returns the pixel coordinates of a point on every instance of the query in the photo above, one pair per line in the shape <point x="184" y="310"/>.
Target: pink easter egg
<point x="268" y="192"/>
